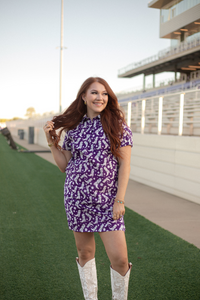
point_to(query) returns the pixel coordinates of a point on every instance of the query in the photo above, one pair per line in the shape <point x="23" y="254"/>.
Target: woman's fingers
<point x="48" y="126"/>
<point x="118" y="211"/>
<point x="117" y="216"/>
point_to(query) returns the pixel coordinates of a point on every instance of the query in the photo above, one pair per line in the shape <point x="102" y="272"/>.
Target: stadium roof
<point x="175" y="60"/>
<point x="161" y="3"/>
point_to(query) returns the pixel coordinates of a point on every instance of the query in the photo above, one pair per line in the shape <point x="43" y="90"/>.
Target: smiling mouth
<point x="98" y="103"/>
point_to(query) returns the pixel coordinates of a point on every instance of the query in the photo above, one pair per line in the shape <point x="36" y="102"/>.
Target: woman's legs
<point x="85" y="244"/>
<point x="116" y="249"/>
<point x="115" y="245"/>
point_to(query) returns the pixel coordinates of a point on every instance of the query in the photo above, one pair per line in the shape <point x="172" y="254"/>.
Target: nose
<point x="99" y="97"/>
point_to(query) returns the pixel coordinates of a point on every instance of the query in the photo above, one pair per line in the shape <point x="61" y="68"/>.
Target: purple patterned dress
<point x="92" y="177"/>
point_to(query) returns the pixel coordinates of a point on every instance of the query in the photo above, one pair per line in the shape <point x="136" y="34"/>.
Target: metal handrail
<point x="162" y="54"/>
<point x="181" y="88"/>
<point x="161" y="83"/>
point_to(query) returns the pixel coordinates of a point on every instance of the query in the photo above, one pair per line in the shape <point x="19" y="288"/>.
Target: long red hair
<point x="112" y="117"/>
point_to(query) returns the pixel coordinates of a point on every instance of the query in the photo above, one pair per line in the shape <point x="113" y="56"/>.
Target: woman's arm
<point x="123" y="177"/>
<point x="61" y="157"/>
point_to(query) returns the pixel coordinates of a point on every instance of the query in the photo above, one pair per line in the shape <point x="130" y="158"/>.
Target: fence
<point x="172" y="114"/>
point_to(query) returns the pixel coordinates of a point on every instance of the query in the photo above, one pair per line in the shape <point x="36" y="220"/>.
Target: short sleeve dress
<point x="92" y="177"/>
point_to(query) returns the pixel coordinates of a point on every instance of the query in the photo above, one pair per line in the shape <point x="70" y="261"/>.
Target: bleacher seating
<point x="170" y="114"/>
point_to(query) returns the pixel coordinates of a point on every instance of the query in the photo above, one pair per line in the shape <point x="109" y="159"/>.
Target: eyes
<point x="105" y="94"/>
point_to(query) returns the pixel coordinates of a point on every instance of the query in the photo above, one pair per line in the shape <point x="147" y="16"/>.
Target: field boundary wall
<point x="168" y="163"/>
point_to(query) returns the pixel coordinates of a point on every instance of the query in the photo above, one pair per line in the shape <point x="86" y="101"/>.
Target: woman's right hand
<point x="48" y="127"/>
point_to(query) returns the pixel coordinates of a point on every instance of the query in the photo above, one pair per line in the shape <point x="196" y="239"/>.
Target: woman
<point x="96" y="158"/>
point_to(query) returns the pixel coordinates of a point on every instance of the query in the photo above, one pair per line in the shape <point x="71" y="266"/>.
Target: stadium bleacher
<point x="170" y="112"/>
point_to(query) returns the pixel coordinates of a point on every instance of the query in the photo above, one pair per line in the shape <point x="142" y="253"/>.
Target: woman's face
<point x="96" y="99"/>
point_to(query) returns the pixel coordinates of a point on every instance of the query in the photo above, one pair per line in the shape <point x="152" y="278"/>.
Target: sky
<point x="101" y="37"/>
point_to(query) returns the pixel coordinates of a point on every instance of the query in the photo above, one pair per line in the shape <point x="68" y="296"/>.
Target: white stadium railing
<point x="172" y="114"/>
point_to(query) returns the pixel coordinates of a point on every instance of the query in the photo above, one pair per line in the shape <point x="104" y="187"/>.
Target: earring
<point x="85" y="103"/>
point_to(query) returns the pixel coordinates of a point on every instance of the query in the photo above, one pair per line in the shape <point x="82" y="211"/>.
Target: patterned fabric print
<point x="91" y="177"/>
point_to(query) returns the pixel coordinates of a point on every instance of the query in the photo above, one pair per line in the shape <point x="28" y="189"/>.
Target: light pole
<point x="61" y="56"/>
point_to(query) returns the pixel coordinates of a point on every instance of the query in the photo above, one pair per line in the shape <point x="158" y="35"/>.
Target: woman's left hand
<point x="118" y="210"/>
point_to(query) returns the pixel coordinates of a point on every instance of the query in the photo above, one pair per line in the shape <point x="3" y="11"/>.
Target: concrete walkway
<point x="175" y="214"/>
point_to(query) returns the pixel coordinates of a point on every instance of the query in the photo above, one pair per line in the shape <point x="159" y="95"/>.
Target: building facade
<point x="179" y="22"/>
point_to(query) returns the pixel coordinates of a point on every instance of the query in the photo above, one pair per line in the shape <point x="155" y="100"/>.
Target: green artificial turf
<point x="37" y="254"/>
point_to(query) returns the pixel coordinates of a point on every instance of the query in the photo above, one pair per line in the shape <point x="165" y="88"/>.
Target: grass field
<point x="37" y="255"/>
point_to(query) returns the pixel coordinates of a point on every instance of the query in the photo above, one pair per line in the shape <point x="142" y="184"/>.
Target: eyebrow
<point x="97" y="91"/>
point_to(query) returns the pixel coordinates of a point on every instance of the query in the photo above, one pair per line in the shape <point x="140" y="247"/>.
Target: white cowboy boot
<point x="119" y="284"/>
<point x="88" y="277"/>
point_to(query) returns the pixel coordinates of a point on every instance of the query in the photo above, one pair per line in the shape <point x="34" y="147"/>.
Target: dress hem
<point x="123" y="229"/>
